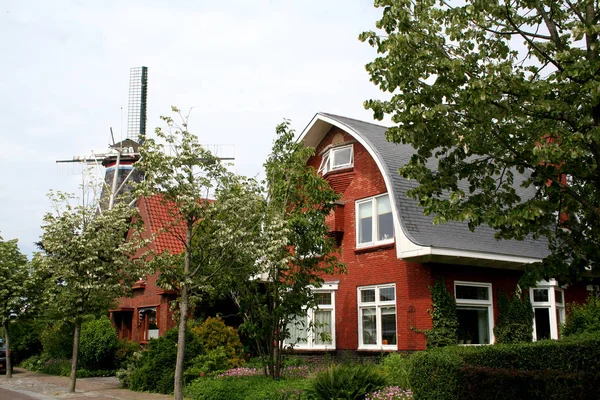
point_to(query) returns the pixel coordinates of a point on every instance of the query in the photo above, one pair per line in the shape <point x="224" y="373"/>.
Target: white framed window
<point x="548" y="301"/>
<point x="374" y="221"/>
<point x="316" y="329"/>
<point x="337" y="158"/>
<point x="377" y="327"/>
<point x="474" y="312"/>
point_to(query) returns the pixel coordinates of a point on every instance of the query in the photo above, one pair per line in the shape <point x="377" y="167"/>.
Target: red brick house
<point x="393" y="253"/>
<point x="147" y="314"/>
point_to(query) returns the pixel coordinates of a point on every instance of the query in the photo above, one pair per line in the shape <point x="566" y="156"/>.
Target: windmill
<point x="120" y="158"/>
<point x="119" y="161"/>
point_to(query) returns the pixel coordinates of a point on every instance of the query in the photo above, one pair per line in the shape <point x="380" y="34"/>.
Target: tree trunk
<point x="183" y="313"/>
<point x="7" y="349"/>
<point x="76" y="336"/>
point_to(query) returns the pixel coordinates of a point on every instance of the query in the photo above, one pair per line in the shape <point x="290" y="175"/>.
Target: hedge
<point x="510" y="371"/>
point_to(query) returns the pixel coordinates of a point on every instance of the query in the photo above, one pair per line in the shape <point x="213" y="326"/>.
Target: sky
<point x="240" y="66"/>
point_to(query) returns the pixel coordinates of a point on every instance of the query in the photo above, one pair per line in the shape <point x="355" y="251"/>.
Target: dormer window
<point x="337" y="158"/>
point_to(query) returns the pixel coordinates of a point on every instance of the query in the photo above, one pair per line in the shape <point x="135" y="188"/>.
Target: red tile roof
<point x="162" y="218"/>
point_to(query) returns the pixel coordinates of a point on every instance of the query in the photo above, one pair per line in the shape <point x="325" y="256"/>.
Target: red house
<point x="393" y="253"/>
<point x="147" y="314"/>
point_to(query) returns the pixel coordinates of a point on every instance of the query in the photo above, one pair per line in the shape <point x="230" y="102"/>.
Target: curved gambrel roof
<point x="421" y="239"/>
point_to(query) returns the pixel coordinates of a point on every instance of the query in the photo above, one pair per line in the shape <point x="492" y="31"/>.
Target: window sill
<point x="378" y="348"/>
<point x="338" y="171"/>
<point x="375" y="247"/>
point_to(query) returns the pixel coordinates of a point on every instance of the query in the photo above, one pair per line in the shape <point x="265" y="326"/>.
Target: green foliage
<point x="434" y="374"/>
<point x="246" y="388"/>
<point x="498" y="100"/>
<point x="25" y="338"/>
<point x="15" y="279"/>
<point x="214" y="334"/>
<point x="443" y="317"/>
<point x="57" y="341"/>
<point x="397" y="368"/>
<point x="294" y="251"/>
<point x="583" y="318"/>
<point x="484" y="383"/>
<point x="346" y="382"/>
<point x="99" y="343"/>
<point x="437" y="373"/>
<point x="154" y="369"/>
<point x="514" y="320"/>
<point x="125" y="352"/>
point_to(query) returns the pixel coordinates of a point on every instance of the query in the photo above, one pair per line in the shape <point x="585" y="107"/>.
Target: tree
<point x="16" y="290"/>
<point x="216" y="234"/>
<point x="295" y="249"/>
<point x="88" y="260"/>
<point x="504" y="96"/>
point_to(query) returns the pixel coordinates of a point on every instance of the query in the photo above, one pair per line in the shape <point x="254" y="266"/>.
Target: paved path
<point x="26" y="385"/>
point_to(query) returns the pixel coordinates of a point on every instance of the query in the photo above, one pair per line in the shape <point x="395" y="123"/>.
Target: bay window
<point x="474" y="312"/>
<point x="377" y="317"/>
<point x="548" y="303"/>
<point x="374" y="221"/>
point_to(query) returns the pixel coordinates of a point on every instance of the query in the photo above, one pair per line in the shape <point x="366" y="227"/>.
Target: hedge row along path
<point x="27" y="385"/>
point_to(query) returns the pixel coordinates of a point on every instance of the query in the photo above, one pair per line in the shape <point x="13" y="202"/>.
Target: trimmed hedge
<point x="452" y="372"/>
<point x="258" y="387"/>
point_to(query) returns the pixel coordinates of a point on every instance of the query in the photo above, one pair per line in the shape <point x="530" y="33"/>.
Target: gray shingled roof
<point x="418" y="227"/>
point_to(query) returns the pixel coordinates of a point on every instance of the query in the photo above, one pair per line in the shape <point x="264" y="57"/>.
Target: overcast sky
<point x="243" y="66"/>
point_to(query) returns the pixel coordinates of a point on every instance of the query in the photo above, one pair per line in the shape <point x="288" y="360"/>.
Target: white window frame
<point x="374" y="221"/>
<point x="553" y="307"/>
<point x="378" y="304"/>
<point x="487" y="304"/>
<point x="328" y="158"/>
<point x="310" y="344"/>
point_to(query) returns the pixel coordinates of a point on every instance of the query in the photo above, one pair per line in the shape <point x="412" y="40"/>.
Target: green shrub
<point x="434" y="374"/>
<point x="437" y="373"/>
<point x="443" y="317"/>
<point x="346" y="382"/>
<point x="214" y="360"/>
<point x="60" y="367"/>
<point x="256" y="387"/>
<point x="213" y="334"/>
<point x="25" y="338"/>
<point x="57" y="341"/>
<point x="514" y="319"/>
<point x="397" y="368"/>
<point x="484" y="383"/>
<point x="125" y="351"/>
<point x="583" y="318"/>
<point x="154" y="370"/>
<point x="98" y="345"/>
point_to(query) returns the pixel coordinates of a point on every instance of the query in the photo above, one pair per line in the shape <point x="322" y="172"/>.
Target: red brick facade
<point x="379" y="265"/>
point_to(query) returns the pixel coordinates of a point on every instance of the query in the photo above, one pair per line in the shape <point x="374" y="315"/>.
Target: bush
<point x="25" y="338"/>
<point x="443" y="317"/>
<point x="57" y="341"/>
<point x="434" y="374"/>
<point x="514" y="320"/>
<point x="483" y="383"/>
<point x="449" y="373"/>
<point x="125" y="351"/>
<point x="346" y="382"/>
<point x="397" y="369"/>
<point x="214" y="334"/>
<point x="154" y="369"/>
<point x="583" y="318"/>
<point x="256" y="387"/>
<point x="98" y="345"/>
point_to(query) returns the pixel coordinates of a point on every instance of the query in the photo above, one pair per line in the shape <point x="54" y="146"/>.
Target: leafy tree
<point x="88" y="261"/>
<point x="16" y="289"/>
<point x="216" y="235"/>
<point x="503" y="94"/>
<point x="295" y="249"/>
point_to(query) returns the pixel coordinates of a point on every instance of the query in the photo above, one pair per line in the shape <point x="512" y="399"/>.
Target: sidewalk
<point x="32" y="386"/>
